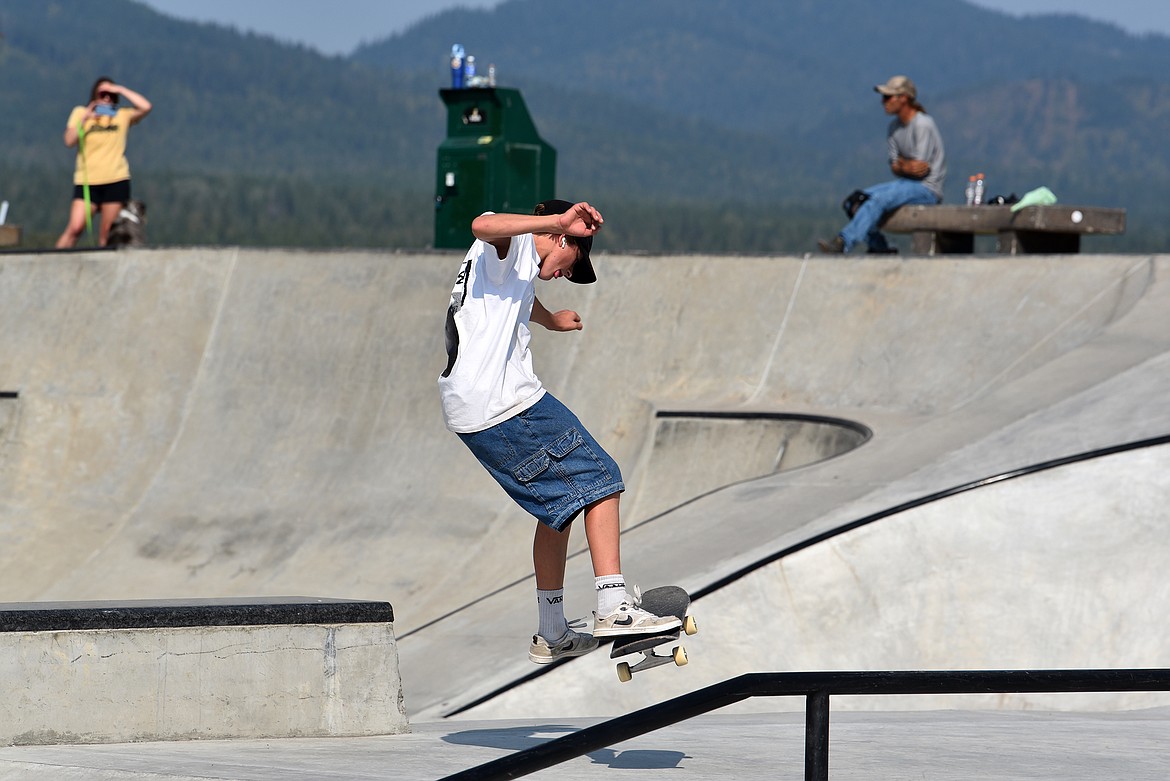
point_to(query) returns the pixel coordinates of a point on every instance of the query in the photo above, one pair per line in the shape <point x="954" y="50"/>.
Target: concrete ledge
<point x="112" y="672"/>
<point x="164" y="613"/>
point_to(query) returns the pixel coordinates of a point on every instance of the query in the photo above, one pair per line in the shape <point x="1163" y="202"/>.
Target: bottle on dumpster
<point x="979" y="189"/>
<point x="469" y="71"/>
<point x="456" y="67"/>
<point x="970" y="190"/>
<point x="491" y="74"/>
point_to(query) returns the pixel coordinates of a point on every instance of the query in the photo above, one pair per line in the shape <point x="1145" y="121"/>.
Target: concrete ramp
<point x="216" y="423"/>
<point x="1064" y="568"/>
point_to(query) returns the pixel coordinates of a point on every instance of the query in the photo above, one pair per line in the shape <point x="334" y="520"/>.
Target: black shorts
<point x="114" y="192"/>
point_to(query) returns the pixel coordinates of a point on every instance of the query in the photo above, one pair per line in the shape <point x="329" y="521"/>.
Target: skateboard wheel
<point x="624" y="672"/>
<point x="690" y="626"/>
<point x="680" y="656"/>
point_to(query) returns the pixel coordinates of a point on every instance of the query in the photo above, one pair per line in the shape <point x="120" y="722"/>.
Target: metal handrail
<point x="817" y="688"/>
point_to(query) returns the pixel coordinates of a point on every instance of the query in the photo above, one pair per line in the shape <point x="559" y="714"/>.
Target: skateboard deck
<point x="662" y="601"/>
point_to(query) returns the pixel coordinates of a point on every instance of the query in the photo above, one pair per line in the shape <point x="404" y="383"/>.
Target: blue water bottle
<point x="457" y="56"/>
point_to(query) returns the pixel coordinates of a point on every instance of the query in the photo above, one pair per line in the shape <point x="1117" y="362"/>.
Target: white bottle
<point x="970" y="190"/>
<point x="979" y="184"/>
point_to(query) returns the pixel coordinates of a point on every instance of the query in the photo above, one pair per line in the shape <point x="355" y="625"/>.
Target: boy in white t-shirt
<point x="531" y="443"/>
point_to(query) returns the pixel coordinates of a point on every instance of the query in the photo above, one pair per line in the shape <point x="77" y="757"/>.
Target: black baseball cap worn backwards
<point x="583" y="273"/>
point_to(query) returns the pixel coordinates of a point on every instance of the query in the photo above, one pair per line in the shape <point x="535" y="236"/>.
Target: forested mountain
<point x="763" y="65"/>
<point x="703" y="126"/>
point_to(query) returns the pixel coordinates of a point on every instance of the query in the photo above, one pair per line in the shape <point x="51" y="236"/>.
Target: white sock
<point x="611" y="592"/>
<point x="552" y="614"/>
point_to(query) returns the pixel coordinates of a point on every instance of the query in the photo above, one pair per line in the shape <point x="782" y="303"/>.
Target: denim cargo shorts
<point x="547" y="462"/>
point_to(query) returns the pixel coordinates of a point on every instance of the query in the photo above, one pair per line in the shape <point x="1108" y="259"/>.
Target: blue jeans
<point x="883" y="198"/>
<point x="547" y="462"/>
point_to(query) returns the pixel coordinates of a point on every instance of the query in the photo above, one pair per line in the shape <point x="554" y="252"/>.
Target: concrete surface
<point x="181" y="683"/>
<point x="197" y="422"/>
<point x="941" y="746"/>
<point x="1061" y="569"/>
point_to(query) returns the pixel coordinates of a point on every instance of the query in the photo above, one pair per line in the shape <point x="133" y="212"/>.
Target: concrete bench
<point x="1053" y="229"/>
<point x="268" y="667"/>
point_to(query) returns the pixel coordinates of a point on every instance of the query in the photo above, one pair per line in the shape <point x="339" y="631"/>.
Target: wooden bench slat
<point x="993" y="219"/>
<point x="944" y="229"/>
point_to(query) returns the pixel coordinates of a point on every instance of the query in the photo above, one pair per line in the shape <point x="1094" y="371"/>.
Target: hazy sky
<point x="332" y="26"/>
<point x="337" y="26"/>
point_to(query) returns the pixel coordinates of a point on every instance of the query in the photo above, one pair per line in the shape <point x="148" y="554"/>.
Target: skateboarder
<point x="533" y="445"/>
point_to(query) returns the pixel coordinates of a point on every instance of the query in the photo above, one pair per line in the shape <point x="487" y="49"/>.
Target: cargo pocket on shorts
<point x="551" y="489"/>
<point x="532" y="468"/>
<point x="565" y="444"/>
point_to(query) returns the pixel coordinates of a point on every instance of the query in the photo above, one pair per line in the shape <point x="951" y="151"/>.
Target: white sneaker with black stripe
<point x="630" y="619"/>
<point x="571" y="643"/>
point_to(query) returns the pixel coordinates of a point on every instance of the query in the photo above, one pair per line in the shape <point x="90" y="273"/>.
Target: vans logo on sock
<point x="554" y="600"/>
<point x="604" y="586"/>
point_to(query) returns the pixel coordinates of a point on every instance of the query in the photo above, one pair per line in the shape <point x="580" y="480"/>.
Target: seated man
<point x="917" y="160"/>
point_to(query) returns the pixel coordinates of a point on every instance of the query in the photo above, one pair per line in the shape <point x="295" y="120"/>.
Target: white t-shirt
<point x="489" y="375"/>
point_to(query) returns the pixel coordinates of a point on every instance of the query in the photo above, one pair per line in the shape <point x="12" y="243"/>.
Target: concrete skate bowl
<point x="227" y="422"/>
<point x="1058" y="565"/>
<point x="696" y="453"/>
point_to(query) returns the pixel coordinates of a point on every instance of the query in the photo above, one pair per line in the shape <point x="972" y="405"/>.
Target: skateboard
<point x="662" y="601"/>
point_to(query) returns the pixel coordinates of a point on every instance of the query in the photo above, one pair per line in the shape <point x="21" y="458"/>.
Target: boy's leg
<point x="554" y="639"/>
<point x="549" y="553"/>
<point x="603" y="529"/>
<point x="550" y="550"/>
<point x="617" y="613"/>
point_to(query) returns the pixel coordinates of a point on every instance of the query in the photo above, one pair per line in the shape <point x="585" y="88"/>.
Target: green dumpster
<point x="492" y="160"/>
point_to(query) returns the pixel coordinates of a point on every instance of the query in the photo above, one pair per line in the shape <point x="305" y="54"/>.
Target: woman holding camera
<point x="101" y="180"/>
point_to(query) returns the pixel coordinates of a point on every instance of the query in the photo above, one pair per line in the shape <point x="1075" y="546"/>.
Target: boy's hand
<point x="564" y="320"/>
<point x="581" y="220"/>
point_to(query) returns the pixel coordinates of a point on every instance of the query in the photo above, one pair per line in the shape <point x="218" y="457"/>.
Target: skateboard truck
<point x="678" y="654"/>
<point x="663" y="601"/>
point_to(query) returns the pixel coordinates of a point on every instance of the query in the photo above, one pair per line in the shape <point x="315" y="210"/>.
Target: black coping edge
<point x="797" y="417"/>
<point x="171" y="613"/>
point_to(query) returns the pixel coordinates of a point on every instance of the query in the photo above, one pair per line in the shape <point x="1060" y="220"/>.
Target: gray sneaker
<point x="571" y="643"/>
<point x="630" y="619"/>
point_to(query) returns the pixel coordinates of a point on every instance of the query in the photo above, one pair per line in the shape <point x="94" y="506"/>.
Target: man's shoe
<point x="834" y="246"/>
<point x="630" y="619"/>
<point x="570" y="644"/>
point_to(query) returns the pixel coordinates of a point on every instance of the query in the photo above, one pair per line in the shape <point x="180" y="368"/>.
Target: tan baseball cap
<point x="898" y="85"/>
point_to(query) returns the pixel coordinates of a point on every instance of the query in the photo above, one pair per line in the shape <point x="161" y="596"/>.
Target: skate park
<point x="866" y="465"/>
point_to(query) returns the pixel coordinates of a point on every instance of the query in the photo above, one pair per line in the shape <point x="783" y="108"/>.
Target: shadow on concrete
<point x="520" y="738"/>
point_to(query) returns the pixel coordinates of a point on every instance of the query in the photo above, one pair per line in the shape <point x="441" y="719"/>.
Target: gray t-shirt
<point x="920" y="140"/>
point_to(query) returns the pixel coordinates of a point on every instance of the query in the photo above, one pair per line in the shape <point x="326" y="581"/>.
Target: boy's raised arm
<point x="493" y="227"/>
<point x="581" y="220"/>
